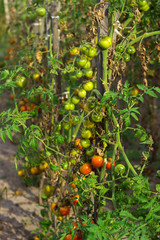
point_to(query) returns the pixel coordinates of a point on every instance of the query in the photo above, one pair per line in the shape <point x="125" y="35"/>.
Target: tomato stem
<point x="104" y="64"/>
<point x="146" y="35"/>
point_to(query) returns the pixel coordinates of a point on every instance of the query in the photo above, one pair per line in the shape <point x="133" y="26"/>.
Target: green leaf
<point x="127" y="214"/>
<point x="9" y="134"/>
<point x="141" y="86"/>
<point x="43" y="196"/>
<point x="15" y="128"/>
<point x="151" y="93"/>
<point x="157" y="89"/>
<point x="134" y="116"/>
<point x="46" y="223"/>
<point x="3" y="137"/>
<point x="143" y="138"/>
<point x="54" y="167"/>
<point x="158" y="187"/>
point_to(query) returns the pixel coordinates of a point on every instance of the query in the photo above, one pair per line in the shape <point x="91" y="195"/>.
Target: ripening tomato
<point x="21" y="81"/>
<point x="109" y="163"/>
<point x="69" y="237"/>
<point x="49" y="190"/>
<point x="135" y="91"/>
<point x="36" y="76"/>
<point x="75" y="199"/>
<point x="88" y="86"/>
<point x="86" y="168"/>
<point x="105" y="42"/>
<point x="64" y="211"/>
<point x="43" y="166"/>
<point x="21" y="173"/>
<point x="53" y="206"/>
<point x="74" y="51"/>
<point x="35" y="170"/>
<point x="97" y="161"/>
<point x="88" y="124"/>
<point x="67" y="125"/>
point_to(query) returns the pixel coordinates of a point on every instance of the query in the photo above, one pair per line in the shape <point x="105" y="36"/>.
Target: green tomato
<point x="61" y="111"/>
<point x="67" y="106"/>
<point x="79" y="74"/>
<point x="126" y="57"/>
<point x="21" y="81"/>
<point x="41" y="11"/>
<point x="88" y="86"/>
<point x="73" y="77"/>
<point x="72" y="106"/>
<point x="88" y="124"/>
<point x="82" y="93"/>
<point x="34" y="98"/>
<point x="91" y="52"/>
<point x="88" y="73"/>
<point x="119" y="48"/>
<point x="118" y="55"/>
<point x="75" y="120"/>
<point x="90" y="151"/>
<point x="65" y="165"/>
<point x="91" y="102"/>
<point x="142" y="3"/>
<point x="60" y="139"/>
<point x="75" y="99"/>
<point x="86" y="133"/>
<point x="85" y="143"/>
<point x="87" y="65"/>
<point x="145" y="8"/>
<point x="120" y="169"/>
<point x="81" y="61"/>
<point x="66" y="125"/>
<point x="58" y="127"/>
<point x="105" y="43"/>
<point x="97" y="117"/>
<point x="131" y="50"/>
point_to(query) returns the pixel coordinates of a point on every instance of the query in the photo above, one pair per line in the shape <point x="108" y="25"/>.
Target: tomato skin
<point x="86" y="133"/>
<point x="41" y="11"/>
<point x="21" y="173"/>
<point x="87" y="65"/>
<point x="36" y="76"/>
<point x="69" y="237"/>
<point x="79" y="74"/>
<point x="105" y="43"/>
<point x="97" y="161"/>
<point x="64" y="211"/>
<point x="82" y="93"/>
<point x="67" y="125"/>
<point x="145" y="8"/>
<point x="120" y="169"/>
<point x="49" y="190"/>
<point x="75" y="99"/>
<point x="91" y="52"/>
<point x="126" y="57"/>
<point x="109" y="163"/>
<point x="88" y="86"/>
<point x="97" y="117"/>
<point x="74" y="51"/>
<point x="131" y="50"/>
<point x="90" y="151"/>
<point x="134" y="92"/>
<point x="21" y="81"/>
<point x="85" y="143"/>
<point x="67" y="106"/>
<point x="86" y="168"/>
<point x="142" y="3"/>
<point x="119" y="48"/>
<point x="88" y="124"/>
<point x="75" y="120"/>
<point x="88" y="73"/>
<point x="76" y="199"/>
<point x="81" y="62"/>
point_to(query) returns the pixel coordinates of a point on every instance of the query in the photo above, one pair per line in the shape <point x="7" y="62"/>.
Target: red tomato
<point x="109" y="163"/>
<point x="76" y="199"/>
<point x="69" y="237"/>
<point x="64" y="211"/>
<point x="97" y="161"/>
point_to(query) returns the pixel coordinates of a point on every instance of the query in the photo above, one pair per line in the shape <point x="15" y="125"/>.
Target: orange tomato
<point x="23" y="108"/>
<point x="69" y="237"/>
<point x="64" y="211"/>
<point x="76" y="199"/>
<point x="35" y="170"/>
<point x="86" y="168"/>
<point x="97" y="161"/>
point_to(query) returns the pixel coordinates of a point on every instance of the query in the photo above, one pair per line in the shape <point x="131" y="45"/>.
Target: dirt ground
<point x="19" y="210"/>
